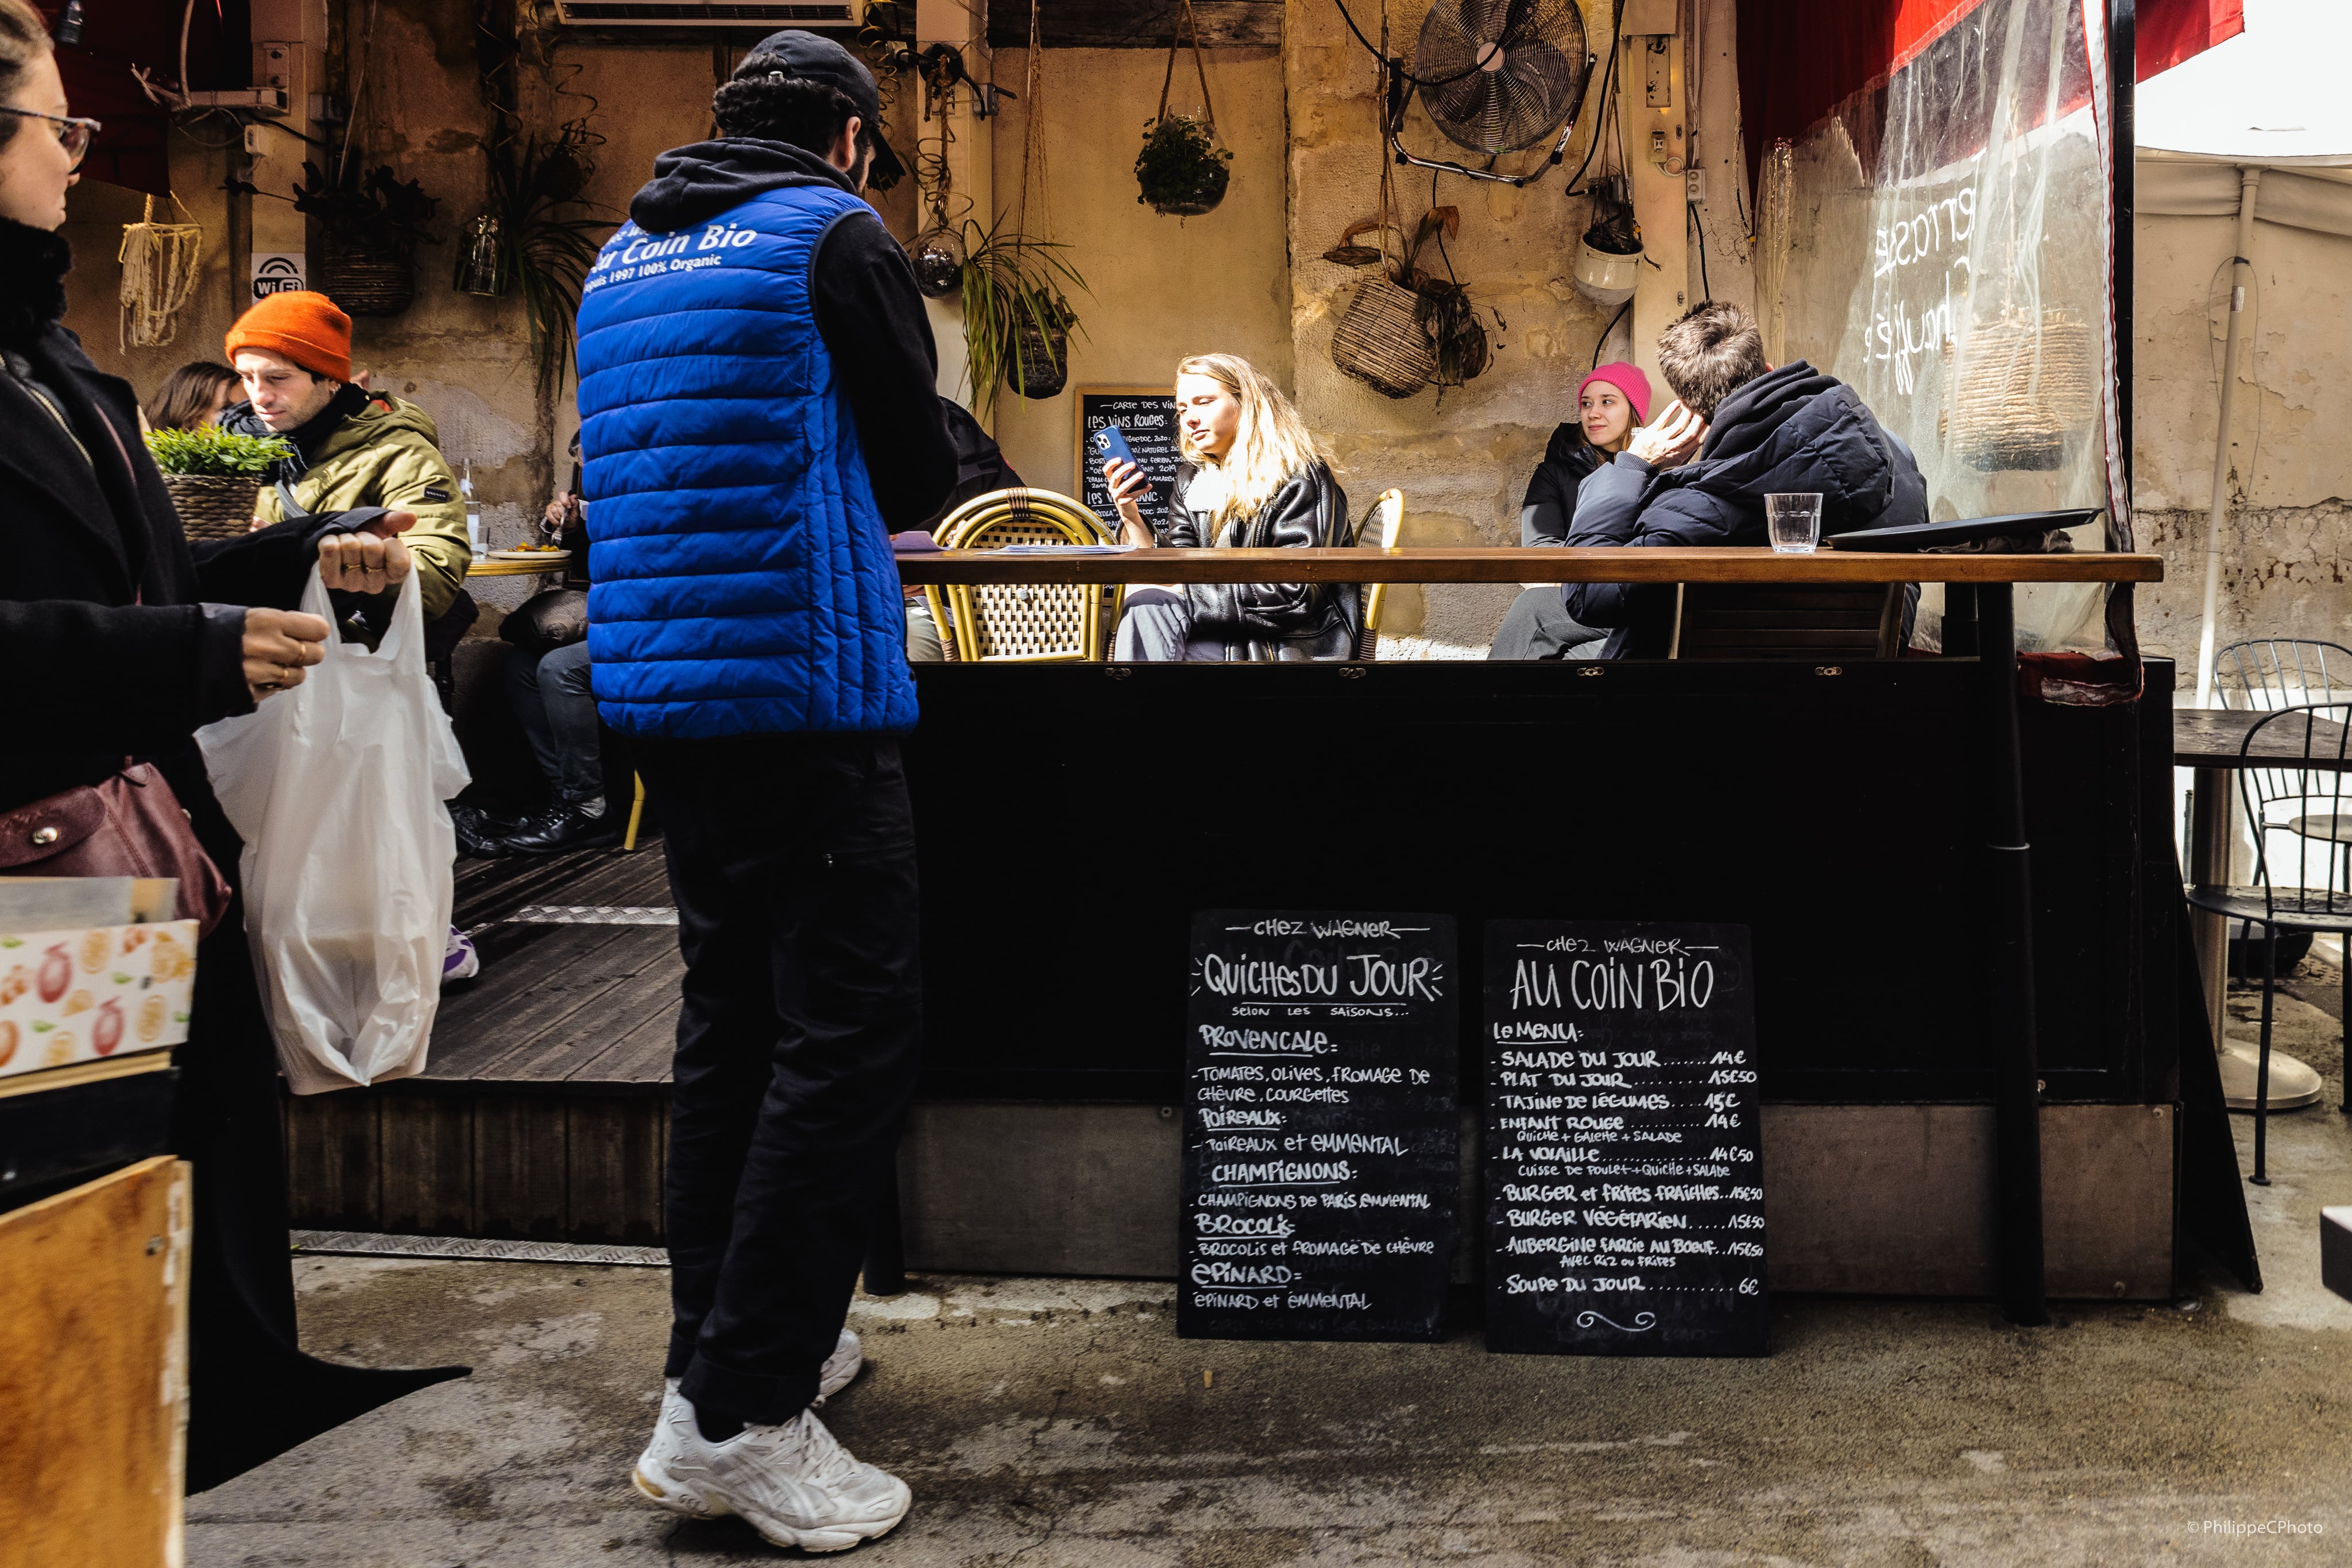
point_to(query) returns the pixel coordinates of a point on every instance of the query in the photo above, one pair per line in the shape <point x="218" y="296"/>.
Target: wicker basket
<point x="213" y="505"/>
<point x="2020" y="388"/>
<point x="1380" y="339"/>
<point x="365" y="282"/>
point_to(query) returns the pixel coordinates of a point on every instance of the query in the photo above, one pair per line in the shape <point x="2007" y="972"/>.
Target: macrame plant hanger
<point x="160" y="264"/>
<point x="1192" y="33"/>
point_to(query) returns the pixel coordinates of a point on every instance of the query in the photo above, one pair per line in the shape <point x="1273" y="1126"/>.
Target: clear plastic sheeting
<point x="1947" y="258"/>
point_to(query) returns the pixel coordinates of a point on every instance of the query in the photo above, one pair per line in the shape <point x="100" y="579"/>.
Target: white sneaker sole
<point x="692" y="1503"/>
<point x="837" y="1374"/>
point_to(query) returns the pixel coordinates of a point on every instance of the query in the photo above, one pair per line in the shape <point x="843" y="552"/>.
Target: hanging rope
<point x="1192" y="30"/>
<point x="1033" y="138"/>
<point x="160" y="262"/>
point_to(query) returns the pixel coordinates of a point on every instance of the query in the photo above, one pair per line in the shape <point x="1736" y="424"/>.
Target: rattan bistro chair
<point x="1024" y="622"/>
<point x="1382" y="525"/>
<point x="2276" y="799"/>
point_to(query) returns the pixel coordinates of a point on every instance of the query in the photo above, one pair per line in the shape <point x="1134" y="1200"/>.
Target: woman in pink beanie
<point x="1611" y="402"/>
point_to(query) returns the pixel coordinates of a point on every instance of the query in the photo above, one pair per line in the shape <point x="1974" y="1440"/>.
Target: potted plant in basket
<point x="214" y="475"/>
<point x="1182" y="171"/>
<point x="1016" y="319"/>
<point x="372" y="223"/>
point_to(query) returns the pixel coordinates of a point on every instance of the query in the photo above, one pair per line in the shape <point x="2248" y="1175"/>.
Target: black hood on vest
<point x="694" y="183"/>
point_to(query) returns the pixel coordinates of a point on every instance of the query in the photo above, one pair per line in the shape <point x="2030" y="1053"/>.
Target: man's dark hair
<point x="1710" y="351"/>
<point x="791" y="110"/>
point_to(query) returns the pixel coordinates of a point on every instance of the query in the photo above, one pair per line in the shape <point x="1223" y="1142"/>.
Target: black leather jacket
<point x="1263" y="622"/>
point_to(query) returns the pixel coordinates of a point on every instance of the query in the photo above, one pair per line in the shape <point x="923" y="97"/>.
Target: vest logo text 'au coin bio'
<point x="642" y="254"/>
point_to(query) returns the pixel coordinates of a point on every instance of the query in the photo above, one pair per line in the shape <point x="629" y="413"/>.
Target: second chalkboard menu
<point x="1624" y="1171"/>
<point x="1321" y="1138"/>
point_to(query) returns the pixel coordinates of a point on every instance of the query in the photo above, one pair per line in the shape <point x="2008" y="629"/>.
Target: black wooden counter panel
<point x="1071" y="818"/>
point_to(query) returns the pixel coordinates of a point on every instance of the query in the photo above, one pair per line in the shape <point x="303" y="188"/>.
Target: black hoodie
<point x="867" y="311"/>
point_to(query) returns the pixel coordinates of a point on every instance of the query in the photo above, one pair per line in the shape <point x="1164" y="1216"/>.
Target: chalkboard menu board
<point x="1321" y="1137"/>
<point x="1624" y="1194"/>
<point x="1147" y="417"/>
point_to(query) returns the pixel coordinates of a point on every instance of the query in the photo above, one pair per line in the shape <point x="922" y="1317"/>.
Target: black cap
<point x="811" y="57"/>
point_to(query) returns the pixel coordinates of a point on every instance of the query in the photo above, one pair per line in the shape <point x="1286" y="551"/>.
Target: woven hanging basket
<point x="365" y="281"/>
<point x="1380" y="339"/>
<point x="213" y="505"/>
<point x="2022" y="389"/>
<point x="1044" y="359"/>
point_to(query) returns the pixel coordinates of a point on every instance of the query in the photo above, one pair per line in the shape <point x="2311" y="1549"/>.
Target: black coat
<point x="1270" y="621"/>
<point x="1794" y="429"/>
<point x="113" y="653"/>
<point x="1551" y="505"/>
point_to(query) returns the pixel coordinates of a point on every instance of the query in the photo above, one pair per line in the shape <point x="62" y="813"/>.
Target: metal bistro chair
<point x="1382" y="525"/>
<point x="2312" y="802"/>
<point x="1024" y="622"/>
<point x="2265" y="674"/>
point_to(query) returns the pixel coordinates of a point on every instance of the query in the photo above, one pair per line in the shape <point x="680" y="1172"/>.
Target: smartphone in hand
<point x="1110" y="445"/>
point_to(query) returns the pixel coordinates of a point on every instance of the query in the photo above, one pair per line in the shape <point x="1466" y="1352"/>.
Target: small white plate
<point x="552" y="557"/>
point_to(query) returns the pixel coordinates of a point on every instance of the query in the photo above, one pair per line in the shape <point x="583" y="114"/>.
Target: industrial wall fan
<point x="1494" y="76"/>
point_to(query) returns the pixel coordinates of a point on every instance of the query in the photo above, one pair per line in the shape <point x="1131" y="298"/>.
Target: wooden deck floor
<point x="543" y="1111"/>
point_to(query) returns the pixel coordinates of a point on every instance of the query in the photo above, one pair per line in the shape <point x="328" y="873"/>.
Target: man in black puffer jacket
<point x="1698" y="474"/>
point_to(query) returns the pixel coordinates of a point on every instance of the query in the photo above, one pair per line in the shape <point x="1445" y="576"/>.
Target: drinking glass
<point x="1793" y="523"/>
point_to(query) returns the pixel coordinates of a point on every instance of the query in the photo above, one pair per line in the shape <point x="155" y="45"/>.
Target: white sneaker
<point x="793" y="1483"/>
<point x="847" y="1358"/>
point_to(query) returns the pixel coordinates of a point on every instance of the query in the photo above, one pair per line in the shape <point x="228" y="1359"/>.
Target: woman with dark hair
<point x="137" y="644"/>
<point x="194" y="396"/>
<point x="1612" y="403"/>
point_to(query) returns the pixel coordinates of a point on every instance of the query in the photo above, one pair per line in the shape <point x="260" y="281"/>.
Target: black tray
<point x="1915" y="536"/>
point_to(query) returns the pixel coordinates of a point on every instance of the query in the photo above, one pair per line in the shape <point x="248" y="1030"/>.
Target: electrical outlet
<point x="1695" y="184"/>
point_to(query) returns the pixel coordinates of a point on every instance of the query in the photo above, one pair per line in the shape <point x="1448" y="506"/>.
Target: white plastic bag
<point x="337" y="787"/>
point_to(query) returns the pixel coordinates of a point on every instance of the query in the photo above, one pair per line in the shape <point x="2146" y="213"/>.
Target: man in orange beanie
<point x="293" y="353"/>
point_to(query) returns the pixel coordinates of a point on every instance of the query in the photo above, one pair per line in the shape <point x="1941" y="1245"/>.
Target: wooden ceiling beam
<point x="1135" y="23"/>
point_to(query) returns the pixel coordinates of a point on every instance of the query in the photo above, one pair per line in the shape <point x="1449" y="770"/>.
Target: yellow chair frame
<point x="1028" y="516"/>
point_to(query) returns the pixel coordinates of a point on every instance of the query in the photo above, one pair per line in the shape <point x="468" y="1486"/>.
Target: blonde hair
<point x="1272" y="446"/>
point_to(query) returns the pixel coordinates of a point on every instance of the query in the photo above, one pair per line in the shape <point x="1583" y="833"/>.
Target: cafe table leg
<point x="2016" y="1056"/>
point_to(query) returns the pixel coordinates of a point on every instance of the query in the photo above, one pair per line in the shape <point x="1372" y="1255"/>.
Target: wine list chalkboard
<point x="1321" y="1138"/>
<point x="1623" y="1177"/>
<point x="1147" y="417"/>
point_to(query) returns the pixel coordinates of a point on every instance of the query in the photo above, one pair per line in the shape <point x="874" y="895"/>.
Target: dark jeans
<point x="792" y="862"/>
<point x="551" y="701"/>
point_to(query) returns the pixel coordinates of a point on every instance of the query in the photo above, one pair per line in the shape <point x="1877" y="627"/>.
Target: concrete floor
<point x="1061" y="1424"/>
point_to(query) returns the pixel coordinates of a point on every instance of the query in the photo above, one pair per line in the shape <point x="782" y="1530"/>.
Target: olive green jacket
<point x="391" y="456"/>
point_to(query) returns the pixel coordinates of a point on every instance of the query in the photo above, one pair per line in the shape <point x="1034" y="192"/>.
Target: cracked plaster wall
<point x="2285" y="539"/>
<point x="1462" y="464"/>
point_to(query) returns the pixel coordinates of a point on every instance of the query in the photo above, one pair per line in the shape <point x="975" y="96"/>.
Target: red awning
<point x="1799" y="59"/>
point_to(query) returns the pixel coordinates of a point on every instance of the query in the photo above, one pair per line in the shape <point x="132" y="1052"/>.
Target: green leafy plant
<point x="548" y="250"/>
<point x="208" y="449"/>
<point x="1182" y="170"/>
<point x="370" y="209"/>
<point x="1012" y="286"/>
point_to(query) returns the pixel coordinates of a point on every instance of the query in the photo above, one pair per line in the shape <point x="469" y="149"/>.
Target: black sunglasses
<point x="73" y="134"/>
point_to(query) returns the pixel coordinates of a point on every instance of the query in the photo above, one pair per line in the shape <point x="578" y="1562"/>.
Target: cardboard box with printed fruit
<point x="69" y="997"/>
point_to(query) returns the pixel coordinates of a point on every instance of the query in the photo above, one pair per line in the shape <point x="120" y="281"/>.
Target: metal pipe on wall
<point x="2240" y="269"/>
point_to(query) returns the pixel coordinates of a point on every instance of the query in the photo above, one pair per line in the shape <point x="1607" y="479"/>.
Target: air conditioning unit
<point x="827" y="17"/>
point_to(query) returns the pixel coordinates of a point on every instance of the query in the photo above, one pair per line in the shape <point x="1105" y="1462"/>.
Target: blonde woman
<point x="1251" y="479"/>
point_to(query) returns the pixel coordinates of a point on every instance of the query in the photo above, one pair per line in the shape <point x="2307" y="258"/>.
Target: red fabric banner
<point x="1799" y="59"/>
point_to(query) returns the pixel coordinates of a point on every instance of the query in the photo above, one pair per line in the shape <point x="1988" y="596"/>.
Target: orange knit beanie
<point x="299" y="326"/>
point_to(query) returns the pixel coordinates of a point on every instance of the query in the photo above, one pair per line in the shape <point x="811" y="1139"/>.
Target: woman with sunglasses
<point x="123" y="644"/>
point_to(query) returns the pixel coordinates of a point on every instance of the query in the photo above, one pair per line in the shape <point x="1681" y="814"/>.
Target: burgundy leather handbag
<point x="128" y="825"/>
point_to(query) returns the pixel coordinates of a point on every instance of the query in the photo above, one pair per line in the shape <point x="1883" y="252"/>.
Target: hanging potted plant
<point x="371" y="223"/>
<point x="214" y="475"/>
<point x="1016" y="318"/>
<point x="1182" y="171"/>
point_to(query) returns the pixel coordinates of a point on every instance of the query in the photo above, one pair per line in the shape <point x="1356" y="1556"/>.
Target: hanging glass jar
<point x="482" y="259"/>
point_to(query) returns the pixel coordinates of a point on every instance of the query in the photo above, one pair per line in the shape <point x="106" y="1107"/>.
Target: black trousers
<point x="792" y="862"/>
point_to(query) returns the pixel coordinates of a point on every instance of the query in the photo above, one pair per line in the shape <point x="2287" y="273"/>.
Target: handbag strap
<point x="1192" y="29"/>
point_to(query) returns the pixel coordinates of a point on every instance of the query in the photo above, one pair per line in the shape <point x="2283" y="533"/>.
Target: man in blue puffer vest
<point x="758" y="414"/>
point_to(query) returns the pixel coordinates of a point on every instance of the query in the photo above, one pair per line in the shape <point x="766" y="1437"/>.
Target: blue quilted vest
<point x="743" y="580"/>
